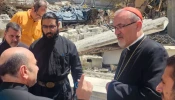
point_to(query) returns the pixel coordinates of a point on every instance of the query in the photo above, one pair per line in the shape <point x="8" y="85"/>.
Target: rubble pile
<point x="7" y="9"/>
<point x="4" y="19"/>
<point x="91" y="62"/>
<point x="20" y="3"/>
<point x="80" y="32"/>
<point x="53" y="8"/>
<point x="164" y="38"/>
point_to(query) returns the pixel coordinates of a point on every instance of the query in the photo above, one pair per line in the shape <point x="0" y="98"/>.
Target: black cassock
<point x="17" y="91"/>
<point x="139" y="72"/>
<point x="55" y="59"/>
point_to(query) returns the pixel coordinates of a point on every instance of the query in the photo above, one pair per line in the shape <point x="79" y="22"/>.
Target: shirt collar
<point x="135" y="41"/>
<point x="29" y="13"/>
<point x="11" y="85"/>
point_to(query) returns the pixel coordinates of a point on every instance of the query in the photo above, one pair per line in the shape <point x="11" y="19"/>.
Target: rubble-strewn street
<point x="93" y="34"/>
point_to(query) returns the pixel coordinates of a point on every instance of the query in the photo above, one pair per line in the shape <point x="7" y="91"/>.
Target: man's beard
<point x="50" y="35"/>
<point x="13" y="44"/>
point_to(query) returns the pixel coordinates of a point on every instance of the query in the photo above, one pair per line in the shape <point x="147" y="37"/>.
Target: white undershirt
<point x="135" y="41"/>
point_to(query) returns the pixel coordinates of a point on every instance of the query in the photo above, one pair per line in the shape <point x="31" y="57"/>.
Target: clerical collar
<point x="135" y="41"/>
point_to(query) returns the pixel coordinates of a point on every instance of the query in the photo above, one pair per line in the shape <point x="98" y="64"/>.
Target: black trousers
<point x="59" y="92"/>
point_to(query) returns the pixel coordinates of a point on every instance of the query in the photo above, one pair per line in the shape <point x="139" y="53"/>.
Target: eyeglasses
<point x="48" y="26"/>
<point x="120" y="26"/>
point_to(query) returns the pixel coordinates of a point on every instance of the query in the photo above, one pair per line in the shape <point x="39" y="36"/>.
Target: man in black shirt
<point x="12" y="36"/>
<point x="56" y="57"/>
<point x="18" y="71"/>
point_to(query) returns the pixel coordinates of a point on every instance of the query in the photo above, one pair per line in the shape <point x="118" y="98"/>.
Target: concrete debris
<point x="53" y="8"/>
<point x="164" y="38"/>
<point x="91" y="62"/>
<point x="20" y="3"/>
<point x="103" y="70"/>
<point x="4" y="19"/>
<point x="61" y="3"/>
<point x="7" y="9"/>
<point x="79" y="32"/>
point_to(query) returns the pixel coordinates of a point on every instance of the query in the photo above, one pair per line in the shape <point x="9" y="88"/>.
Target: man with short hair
<point x="12" y="36"/>
<point x="56" y="57"/>
<point x="18" y="70"/>
<point x="30" y="21"/>
<point x="141" y="63"/>
<point x="167" y="85"/>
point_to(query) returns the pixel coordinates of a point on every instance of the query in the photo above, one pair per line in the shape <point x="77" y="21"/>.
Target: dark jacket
<point x="56" y="58"/>
<point x="139" y="73"/>
<point x="16" y="91"/>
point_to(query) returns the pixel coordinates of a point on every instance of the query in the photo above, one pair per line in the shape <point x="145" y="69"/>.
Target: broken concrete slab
<point x="152" y="26"/>
<point x="20" y="3"/>
<point x="4" y="19"/>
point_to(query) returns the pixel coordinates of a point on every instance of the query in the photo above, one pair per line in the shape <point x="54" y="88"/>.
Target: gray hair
<point x="13" y="25"/>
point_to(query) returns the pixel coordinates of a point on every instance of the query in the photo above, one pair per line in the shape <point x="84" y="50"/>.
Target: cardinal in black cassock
<point x="139" y="72"/>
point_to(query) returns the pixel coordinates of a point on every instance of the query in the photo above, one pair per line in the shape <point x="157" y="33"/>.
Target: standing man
<point x="56" y="56"/>
<point x="12" y="36"/>
<point x="30" y="22"/>
<point x="167" y="85"/>
<point x="18" y="71"/>
<point x="142" y="61"/>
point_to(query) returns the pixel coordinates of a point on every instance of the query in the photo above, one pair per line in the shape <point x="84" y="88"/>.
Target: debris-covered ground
<point x="163" y="38"/>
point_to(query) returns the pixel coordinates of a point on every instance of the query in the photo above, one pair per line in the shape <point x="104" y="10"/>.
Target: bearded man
<point x="56" y="56"/>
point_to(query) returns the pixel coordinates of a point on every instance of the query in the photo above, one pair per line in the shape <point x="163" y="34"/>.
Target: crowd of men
<point x="35" y="61"/>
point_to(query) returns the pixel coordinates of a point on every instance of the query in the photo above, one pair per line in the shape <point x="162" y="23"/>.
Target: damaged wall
<point x="91" y="62"/>
<point x="112" y="57"/>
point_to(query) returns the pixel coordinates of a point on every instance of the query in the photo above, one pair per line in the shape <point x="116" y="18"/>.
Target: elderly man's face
<point x="165" y="87"/>
<point x="12" y="37"/>
<point x="125" y="29"/>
